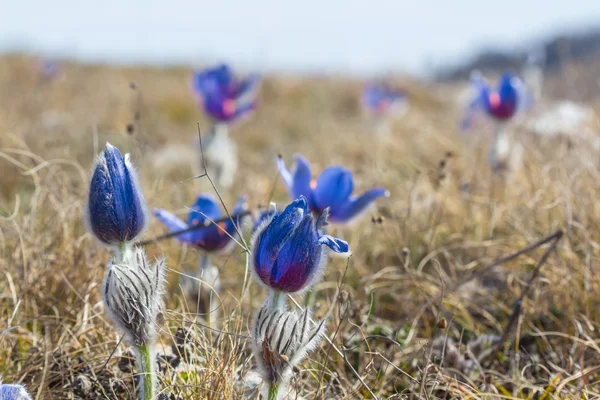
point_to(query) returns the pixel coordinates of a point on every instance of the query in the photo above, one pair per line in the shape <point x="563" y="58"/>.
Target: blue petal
<point x="115" y="203"/>
<point x="297" y="182"/>
<point x="334" y="187"/>
<point x="285" y="174"/>
<point x="270" y="241"/>
<point x="298" y="260"/>
<point x="380" y="97"/>
<point x="248" y="86"/>
<point x="212" y="82"/>
<point x="480" y="101"/>
<point x="506" y="80"/>
<point x="301" y="178"/>
<point x="205" y="204"/>
<point x="13" y="392"/>
<point x="243" y="107"/>
<point x="174" y="224"/>
<point x="264" y="216"/>
<point x="356" y="205"/>
<point x="335" y="244"/>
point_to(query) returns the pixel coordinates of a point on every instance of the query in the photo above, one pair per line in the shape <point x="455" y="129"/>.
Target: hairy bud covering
<point x="132" y="295"/>
<point x="281" y="340"/>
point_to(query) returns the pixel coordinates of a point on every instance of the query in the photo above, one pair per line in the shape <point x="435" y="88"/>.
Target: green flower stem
<point x="146" y="368"/>
<point x="277" y="299"/>
<point x="308" y="297"/>
<point x="124" y="251"/>
<point x="273" y="391"/>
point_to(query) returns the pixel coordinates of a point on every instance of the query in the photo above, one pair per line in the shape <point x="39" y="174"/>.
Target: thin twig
<point x="193" y="228"/>
<point x="517" y="307"/>
<point x="237" y="230"/>
<point x="483" y="270"/>
<point x="341" y="354"/>
<point x="337" y="294"/>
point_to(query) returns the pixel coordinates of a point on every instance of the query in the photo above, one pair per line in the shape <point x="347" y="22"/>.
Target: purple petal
<point x="115" y="205"/>
<point x="298" y="260"/>
<point x="212" y="82"/>
<point x="301" y="178"/>
<point x="356" y="205"/>
<point x="248" y="86"/>
<point x="335" y="244"/>
<point x="334" y="187"/>
<point x="480" y="101"/>
<point x="285" y="175"/>
<point x="264" y="215"/>
<point x="269" y="242"/>
<point x="205" y="206"/>
<point x="298" y="181"/>
<point x="380" y="98"/>
<point x="174" y="224"/>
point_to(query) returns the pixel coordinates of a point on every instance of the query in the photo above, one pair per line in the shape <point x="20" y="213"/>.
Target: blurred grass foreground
<point x="413" y="313"/>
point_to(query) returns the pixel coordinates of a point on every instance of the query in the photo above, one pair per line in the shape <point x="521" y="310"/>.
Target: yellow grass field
<point x="405" y="319"/>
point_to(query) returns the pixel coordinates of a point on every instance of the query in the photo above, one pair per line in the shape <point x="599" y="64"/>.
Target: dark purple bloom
<point x="215" y="237"/>
<point x="116" y="209"/>
<point x="500" y="104"/>
<point x="332" y="189"/>
<point x="224" y="97"/>
<point x="382" y="99"/>
<point x="287" y="249"/>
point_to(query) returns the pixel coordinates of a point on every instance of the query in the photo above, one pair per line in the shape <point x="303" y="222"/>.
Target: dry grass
<point x="444" y="221"/>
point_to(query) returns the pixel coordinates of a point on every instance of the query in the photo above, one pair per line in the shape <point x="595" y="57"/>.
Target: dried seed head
<point x="281" y="340"/>
<point x="82" y="385"/>
<point x="442" y="323"/>
<point x="132" y="295"/>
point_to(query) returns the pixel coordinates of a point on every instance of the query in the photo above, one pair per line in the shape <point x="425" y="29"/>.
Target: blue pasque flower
<point x="500" y="104"/>
<point x="224" y="97"/>
<point x="212" y="238"/>
<point x="116" y="208"/>
<point x="288" y="250"/>
<point x="382" y="99"/>
<point x="332" y="189"/>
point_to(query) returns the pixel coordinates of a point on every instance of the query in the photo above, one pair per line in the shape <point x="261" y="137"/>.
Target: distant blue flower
<point x="382" y="99"/>
<point x="13" y="392"/>
<point x="287" y="249"/>
<point x="332" y="189"/>
<point x="224" y="97"/>
<point x="116" y="209"/>
<point x="500" y="104"/>
<point x="49" y="69"/>
<point x="213" y="237"/>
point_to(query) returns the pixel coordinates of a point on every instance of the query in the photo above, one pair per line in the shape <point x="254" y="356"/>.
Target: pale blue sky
<point x="359" y="36"/>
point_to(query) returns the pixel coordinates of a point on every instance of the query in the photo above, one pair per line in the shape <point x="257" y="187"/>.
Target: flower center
<point x="494" y="100"/>
<point x="229" y="107"/>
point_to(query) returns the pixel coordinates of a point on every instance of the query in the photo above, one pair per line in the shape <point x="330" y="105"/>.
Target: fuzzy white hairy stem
<point x="220" y="155"/>
<point x="204" y="287"/>
<point x="282" y="339"/>
<point x="132" y="293"/>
